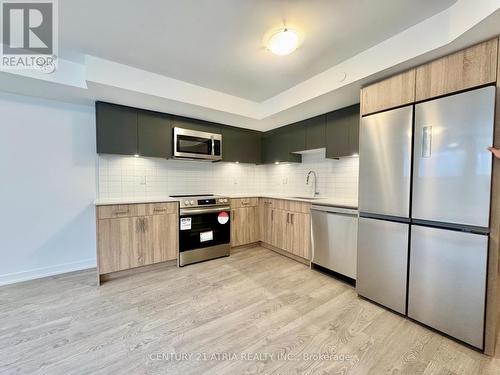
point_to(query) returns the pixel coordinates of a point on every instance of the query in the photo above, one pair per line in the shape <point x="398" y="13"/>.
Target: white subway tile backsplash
<point x="127" y="176"/>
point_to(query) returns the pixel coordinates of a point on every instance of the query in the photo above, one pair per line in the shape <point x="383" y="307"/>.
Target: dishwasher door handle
<point x="336" y="210"/>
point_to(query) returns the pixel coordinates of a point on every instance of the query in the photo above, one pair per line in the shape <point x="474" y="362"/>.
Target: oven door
<point x="193" y="144"/>
<point x="204" y="227"/>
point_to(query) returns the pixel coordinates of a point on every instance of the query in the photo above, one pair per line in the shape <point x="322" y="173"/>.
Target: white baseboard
<point x="16" y="277"/>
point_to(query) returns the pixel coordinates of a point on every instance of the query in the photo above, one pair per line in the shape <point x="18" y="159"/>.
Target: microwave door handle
<point x="212" y="151"/>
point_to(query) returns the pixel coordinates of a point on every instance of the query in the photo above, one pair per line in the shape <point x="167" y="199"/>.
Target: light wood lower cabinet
<point x="266" y="218"/>
<point x="286" y="229"/>
<point x="244" y="226"/>
<point x="299" y="229"/>
<point x="134" y="241"/>
<point x="114" y="243"/>
<point x="164" y="234"/>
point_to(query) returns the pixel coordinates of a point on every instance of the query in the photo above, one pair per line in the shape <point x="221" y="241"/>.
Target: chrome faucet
<point x="315" y="182"/>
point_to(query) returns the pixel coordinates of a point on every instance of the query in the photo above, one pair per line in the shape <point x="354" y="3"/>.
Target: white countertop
<point x="133" y="200"/>
<point x="322" y="201"/>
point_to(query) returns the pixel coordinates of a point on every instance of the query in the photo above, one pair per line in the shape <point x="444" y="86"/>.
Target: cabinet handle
<point x="288" y="217"/>
<point x="121" y="212"/>
<point x="234" y="215"/>
<point x="292" y="218"/>
<point x="141" y="224"/>
<point x="426" y="141"/>
<point x="144" y="225"/>
<point x="159" y="209"/>
<point x="272" y="215"/>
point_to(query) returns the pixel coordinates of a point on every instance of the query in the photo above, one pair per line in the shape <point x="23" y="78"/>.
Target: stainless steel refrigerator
<point x="424" y="202"/>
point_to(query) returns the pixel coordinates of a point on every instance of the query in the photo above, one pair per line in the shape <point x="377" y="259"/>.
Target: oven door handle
<point x="194" y="211"/>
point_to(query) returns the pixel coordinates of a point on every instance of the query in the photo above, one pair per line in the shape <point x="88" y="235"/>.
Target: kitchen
<point x="357" y="231"/>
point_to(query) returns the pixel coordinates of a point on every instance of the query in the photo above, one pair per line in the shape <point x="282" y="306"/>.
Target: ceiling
<point x="219" y="44"/>
<point x="206" y="59"/>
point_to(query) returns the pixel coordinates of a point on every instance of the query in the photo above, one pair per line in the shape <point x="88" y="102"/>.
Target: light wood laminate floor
<point x="254" y="312"/>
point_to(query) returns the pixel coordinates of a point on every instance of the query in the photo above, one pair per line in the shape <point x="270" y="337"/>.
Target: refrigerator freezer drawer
<point x="385" y="162"/>
<point x="452" y="169"/>
<point x="382" y="262"/>
<point x="447" y="282"/>
<point x="335" y="241"/>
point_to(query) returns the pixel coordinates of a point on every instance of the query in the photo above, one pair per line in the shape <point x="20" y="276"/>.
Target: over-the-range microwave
<point x="192" y="144"/>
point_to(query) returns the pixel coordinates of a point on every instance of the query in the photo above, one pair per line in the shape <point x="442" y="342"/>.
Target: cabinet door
<point x="239" y="231"/>
<point x="279" y="229"/>
<point x="269" y="150"/>
<point x="194" y="124"/>
<point x="253" y="224"/>
<point x="154" y="135"/>
<point x="241" y="145"/>
<point x="296" y="134"/>
<point x="300" y="234"/>
<point x="244" y="226"/>
<point x="471" y="67"/>
<point x="116" y="129"/>
<point x="276" y="146"/>
<point x="163" y="230"/>
<point x="389" y="93"/>
<point x="142" y="247"/>
<point x="315" y="132"/>
<point x="342" y="132"/>
<point x="266" y="218"/>
<point x="114" y="242"/>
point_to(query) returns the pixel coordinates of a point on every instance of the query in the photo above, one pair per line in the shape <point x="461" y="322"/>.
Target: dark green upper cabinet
<point x="296" y="134"/>
<point x="154" y="134"/>
<point x="281" y="143"/>
<point x="129" y="131"/>
<point x="277" y="146"/>
<point x="315" y="132"/>
<point x="342" y="132"/>
<point x="194" y="124"/>
<point x="241" y="145"/>
<point x="116" y="129"/>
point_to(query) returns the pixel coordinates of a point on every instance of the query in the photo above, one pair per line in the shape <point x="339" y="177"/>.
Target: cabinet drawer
<point x="120" y="210"/>
<point x="244" y="202"/>
<point x="273" y="203"/>
<point x="287" y="205"/>
<point x="130" y="210"/>
<point x="296" y="206"/>
<point x="161" y="208"/>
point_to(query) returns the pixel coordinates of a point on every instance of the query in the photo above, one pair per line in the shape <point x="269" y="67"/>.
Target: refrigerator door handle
<point x="426" y="141"/>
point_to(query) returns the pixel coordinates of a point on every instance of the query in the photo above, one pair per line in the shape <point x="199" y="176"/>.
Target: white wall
<point x="48" y="185"/>
<point x="126" y="176"/>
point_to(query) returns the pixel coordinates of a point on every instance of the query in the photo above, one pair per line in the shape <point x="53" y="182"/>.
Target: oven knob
<point x="186" y="203"/>
<point x="225" y="200"/>
<point x="221" y="200"/>
<point x="191" y="203"/>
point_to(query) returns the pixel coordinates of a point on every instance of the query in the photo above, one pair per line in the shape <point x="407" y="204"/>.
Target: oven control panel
<point x="203" y="201"/>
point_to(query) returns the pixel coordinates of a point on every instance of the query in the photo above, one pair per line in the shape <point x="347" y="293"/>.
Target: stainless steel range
<point x="204" y="227"/>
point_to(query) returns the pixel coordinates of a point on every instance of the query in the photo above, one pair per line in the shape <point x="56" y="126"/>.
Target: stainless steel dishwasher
<point x="334" y="239"/>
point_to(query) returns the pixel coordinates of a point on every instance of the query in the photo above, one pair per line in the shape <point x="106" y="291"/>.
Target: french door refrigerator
<point x="436" y="252"/>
